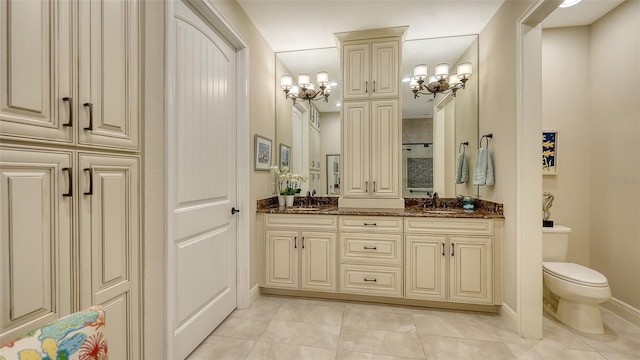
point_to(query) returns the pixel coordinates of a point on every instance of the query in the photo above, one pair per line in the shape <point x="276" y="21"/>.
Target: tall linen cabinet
<point x="69" y="166"/>
<point x="371" y="126"/>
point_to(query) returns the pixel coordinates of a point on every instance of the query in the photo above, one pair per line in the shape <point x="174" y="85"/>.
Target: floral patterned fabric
<point x="77" y="336"/>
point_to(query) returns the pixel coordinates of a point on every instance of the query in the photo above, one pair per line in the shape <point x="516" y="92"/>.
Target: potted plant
<point x="281" y="180"/>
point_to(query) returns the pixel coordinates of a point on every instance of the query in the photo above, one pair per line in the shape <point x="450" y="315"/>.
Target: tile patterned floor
<point x="284" y="328"/>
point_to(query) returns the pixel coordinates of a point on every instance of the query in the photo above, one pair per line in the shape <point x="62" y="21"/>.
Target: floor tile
<point x="628" y="343"/>
<point x="379" y="307"/>
<point x="619" y="356"/>
<point x="222" y="348"/>
<point x="299" y="333"/>
<point x="352" y="355"/>
<point x="559" y="336"/>
<point x="402" y="344"/>
<point x="361" y="340"/>
<point x="314" y="314"/>
<point x="379" y="320"/>
<point x="536" y="352"/>
<point x="263" y="308"/>
<point x="451" y="324"/>
<point x="274" y="351"/>
<point x="242" y="327"/>
<point x="447" y="348"/>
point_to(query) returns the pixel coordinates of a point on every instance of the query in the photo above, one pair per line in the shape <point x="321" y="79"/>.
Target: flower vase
<point x="280" y="200"/>
<point x="289" y="200"/>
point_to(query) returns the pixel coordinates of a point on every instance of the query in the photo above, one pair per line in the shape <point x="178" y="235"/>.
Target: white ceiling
<point x="584" y="13"/>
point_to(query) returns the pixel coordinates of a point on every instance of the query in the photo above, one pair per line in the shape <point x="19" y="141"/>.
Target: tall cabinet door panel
<point x="356" y="151"/>
<point x="470" y="270"/>
<point x="385" y="66"/>
<point x="108" y="74"/>
<point x="35" y="239"/>
<point x="385" y="149"/>
<point x="426" y="271"/>
<point x="318" y="261"/>
<point x="36" y="70"/>
<point x="110" y="245"/>
<point x="282" y="259"/>
<point x="355" y="82"/>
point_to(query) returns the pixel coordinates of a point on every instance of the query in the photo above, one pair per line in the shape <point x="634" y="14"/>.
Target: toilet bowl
<point x="572" y="292"/>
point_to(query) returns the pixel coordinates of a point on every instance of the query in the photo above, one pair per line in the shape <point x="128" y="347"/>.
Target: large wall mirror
<point x="433" y="127"/>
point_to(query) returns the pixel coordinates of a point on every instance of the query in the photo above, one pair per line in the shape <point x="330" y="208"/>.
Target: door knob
<point x="234" y="211"/>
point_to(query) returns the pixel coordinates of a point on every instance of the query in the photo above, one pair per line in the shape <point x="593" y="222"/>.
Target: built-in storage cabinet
<point x="371" y="68"/>
<point x="66" y="84"/>
<point x="371" y="149"/>
<point x="454" y="268"/>
<point x="296" y="258"/>
<point x="370" y="255"/>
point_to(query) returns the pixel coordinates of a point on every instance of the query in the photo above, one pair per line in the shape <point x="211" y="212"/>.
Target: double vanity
<point x="420" y="255"/>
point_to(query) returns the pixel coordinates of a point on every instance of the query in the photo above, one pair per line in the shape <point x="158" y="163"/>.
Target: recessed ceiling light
<point x="406" y="79"/>
<point x="569" y="3"/>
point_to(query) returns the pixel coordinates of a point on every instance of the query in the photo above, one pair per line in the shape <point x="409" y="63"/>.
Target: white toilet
<point x="572" y="291"/>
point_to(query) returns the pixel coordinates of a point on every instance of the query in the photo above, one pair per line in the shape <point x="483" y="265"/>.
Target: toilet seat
<point x="575" y="273"/>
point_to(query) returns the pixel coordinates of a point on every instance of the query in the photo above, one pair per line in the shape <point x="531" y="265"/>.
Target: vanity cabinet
<point x="451" y="260"/>
<point x="371" y="68"/>
<point x="300" y="252"/>
<point x="371" y="149"/>
<point x="370" y="255"/>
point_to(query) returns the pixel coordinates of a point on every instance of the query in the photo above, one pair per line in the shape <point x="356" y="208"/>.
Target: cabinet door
<point x="385" y="69"/>
<point x="36" y="70"/>
<point x="318" y="263"/>
<point x="385" y="149"/>
<point x="355" y="148"/>
<point x="282" y="259"/>
<point x="108" y="73"/>
<point x="425" y="277"/>
<point x="35" y="239"/>
<point x="109" y="246"/>
<point x="471" y="270"/>
<point x="355" y="71"/>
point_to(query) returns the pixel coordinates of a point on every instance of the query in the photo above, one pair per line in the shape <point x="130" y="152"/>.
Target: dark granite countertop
<point x="413" y="208"/>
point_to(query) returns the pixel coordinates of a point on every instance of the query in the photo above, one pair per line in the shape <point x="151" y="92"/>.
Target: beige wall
<point x="329" y="143"/>
<point x="615" y="152"/>
<point x="284" y="109"/>
<point x="261" y="113"/>
<point x="417" y="131"/>
<point x="565" y="57"/>
<point x="497" y="94"/>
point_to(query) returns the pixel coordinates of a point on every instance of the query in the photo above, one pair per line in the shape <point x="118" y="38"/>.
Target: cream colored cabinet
<point x="371" y="256"/>
<point x="109" y="232"/>
<point x="458" y="268"/>
<point x="300" y="259"/>
<point x="371" y="149"/>
<point x="36" y="250"/>
<point x="371" y="68"/>
<point x="53" y="95"/>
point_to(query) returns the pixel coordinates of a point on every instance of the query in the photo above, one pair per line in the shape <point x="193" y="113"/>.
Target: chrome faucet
<point x="308" y="202"/>
<point x="434" y="200"/>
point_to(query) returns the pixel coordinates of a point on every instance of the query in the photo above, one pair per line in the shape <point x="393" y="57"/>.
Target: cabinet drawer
<point x="371" y="280"/>
<point x="302" y="222"/>
<point x="369" y="223"/>
<point x="383" y="249"/>
<point x="449" y="226"/>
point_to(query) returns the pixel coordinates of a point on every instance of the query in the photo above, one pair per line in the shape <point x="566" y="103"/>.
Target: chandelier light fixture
<point x="305" y="90"/>
<point x="440" y="82"/>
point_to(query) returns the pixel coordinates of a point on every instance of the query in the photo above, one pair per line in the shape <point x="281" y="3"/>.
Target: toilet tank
<point x="555" y="243"/>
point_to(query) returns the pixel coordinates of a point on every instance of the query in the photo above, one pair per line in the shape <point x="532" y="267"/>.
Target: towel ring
<point x="486" y="136"/>
<point x="463" y="145"/>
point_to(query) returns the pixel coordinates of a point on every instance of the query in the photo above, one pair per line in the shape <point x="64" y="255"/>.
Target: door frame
<point x="208" y="11"/>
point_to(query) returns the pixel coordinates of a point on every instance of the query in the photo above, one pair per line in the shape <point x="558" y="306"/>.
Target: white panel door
<point x="318" y="261"/>
<point x="109" y="246"/>
<point x="355" y="77"/>
<point x="471" y="270"/>
<point x="202" y="182"/>
<point x="356" y="148"/>
<point x="108" y="73"/>
<point x="385" y="148"/>
<point x="35" y="239"/>
<point x="36" y="100"/>
<point x="385" y="69"/>
<point x="426" y="271"/>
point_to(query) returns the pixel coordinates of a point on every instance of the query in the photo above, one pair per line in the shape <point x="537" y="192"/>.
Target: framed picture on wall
<point x="549" y="152"/>
<point x="285" y="157"/>
<point x="262" y="154"/>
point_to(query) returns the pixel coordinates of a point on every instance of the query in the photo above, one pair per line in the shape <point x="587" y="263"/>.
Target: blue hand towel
<point x="462" y="169"/>
<point x="483" y="174"/>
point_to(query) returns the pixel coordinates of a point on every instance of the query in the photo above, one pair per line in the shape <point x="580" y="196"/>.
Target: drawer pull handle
<point x="70" y="101"/>
<point x="366" y="186"/>
<point x="371" y="280"/>
<point x="295" y="242"/>
<point x="90" y="106"/>
<point x="70" y="190"/>
<point x="374" y="186"/>
<point x="366" y="87"/>
<point x="442" y="249"/>
<point x="370" y="248"/>
<point x="303" y="242"/>
<point x="370" y="224"/>
<point x="453" y="249"/>
<point x="90" y="192"/>
<point x="374" y="86"/>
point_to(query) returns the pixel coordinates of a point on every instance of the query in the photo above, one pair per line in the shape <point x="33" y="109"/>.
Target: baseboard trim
<point x="507" y="313"/>
<point x="623" y="310"/>
<point x="253" y="294"/>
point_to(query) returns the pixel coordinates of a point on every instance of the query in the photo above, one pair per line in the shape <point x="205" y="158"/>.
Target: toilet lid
<point x="575" y="273"/>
